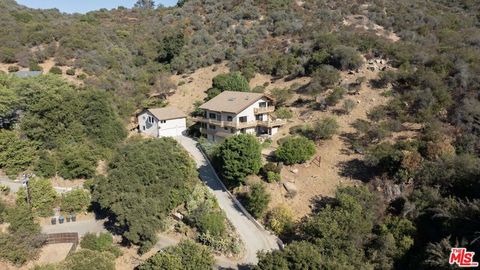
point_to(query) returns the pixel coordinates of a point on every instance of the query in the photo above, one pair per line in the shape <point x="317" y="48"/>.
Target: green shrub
<point x="77" y="161"/>
<point x="165" y="182"/>
<point x="35" y="67"/>
<point x="82" y="76"/>
<point x="16" y="154"/>
<point x="238" y="157"/>
<point x="43" y="198"/>
<point x="348" y="105"/>
<point x="323" y="78"/>
<point x="210" y="221"/>
<point x="280" y="220"/>
<point x="56" y="70"/>
<point x="296" y="149"/>
<point x="187" y="255"/>
<point x="13" y="69"/>
<point x="284" y="113"/>
<point x="231" y="82"/>
<point x="281" y="95"/>
<point x="273" y="177"/>
<point x="334" y="97"/>
<point x="5" y="190"/>
<point x="344" y="58"/>
<point x="70" y="72"/>
<point x="103" y="243"/>
<point x="324" y="129"/>
<point x="75" y="201"/>
<point x="257" y="200"/>
<point x="89" y="259"/>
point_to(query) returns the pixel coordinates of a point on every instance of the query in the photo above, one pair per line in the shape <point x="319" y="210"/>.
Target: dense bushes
<point x="295" y="150"/>
<point x="186" y="255"/>
<point x="323" y="129"/>
<point x="16" y="154"/>
<point x="89" y="259"/>
<point x="257" y="200"/>
<point x="43" y="198"/>
<point x="238" y="157"/>
<point x="102" y="243"/>
<point x="67" y="129"/>
<point x="75" y="201"/>
<point x="23" y="241"/>
<point x="228" y="82"/>
<point x="140" y="199"/>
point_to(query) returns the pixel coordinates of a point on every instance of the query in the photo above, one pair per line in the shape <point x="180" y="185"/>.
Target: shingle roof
<point x="232" y="101"/>
<point x="167" y="113"/>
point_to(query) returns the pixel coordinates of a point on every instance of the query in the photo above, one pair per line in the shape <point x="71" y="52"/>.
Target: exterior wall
<point x="248" y="112"/>
<point x="274" y="131"/>
<point x="145" y="127"/>
<point x="172" y="127"/>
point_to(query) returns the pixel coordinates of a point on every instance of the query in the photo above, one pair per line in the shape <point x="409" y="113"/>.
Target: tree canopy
<point x="186" y="255"/>
<point x="146" y="180"/>
<point x="238" y="157"/>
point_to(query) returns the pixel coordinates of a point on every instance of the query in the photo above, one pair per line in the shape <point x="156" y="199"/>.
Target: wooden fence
<point x="58" y="238"/>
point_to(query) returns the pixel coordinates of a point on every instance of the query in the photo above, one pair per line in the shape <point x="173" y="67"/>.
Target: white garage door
<point x="171" y="132"/>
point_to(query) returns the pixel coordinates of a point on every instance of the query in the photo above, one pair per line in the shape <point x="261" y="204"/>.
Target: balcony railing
<point x="216" y="132"/>
<point x="261" y="110"/>
<point x="240" y="125"/>
<point x="230" y="124"/>
<point x="272" y="123"/>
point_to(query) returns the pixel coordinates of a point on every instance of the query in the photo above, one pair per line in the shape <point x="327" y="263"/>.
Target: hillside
<point x="387" y="94"/>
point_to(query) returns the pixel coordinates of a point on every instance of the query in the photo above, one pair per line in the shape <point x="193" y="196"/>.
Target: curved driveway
<point x="254" y="237"/>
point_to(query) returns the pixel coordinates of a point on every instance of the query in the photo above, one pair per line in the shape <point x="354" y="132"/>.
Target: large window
<point x="262" y="104"/>
<point x="243" y="119"/>
<point x="150" y="120"/>
<point x="229" y="118"/>
<point x="212" y="116"/>
<point x="212" y="126"/>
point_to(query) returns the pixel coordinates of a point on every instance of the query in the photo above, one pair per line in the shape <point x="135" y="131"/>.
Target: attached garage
<point x="162" y="122"/>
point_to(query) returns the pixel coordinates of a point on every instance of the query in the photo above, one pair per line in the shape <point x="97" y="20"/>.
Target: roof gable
<point x="166" y="113"/>
<point x="233" y="101"/>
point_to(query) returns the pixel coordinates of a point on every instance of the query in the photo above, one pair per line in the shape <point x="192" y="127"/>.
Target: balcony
<point x="236" y="125"/>
<point x="262" y="110"/>
<point x="272" y="123"/>
<point x="219" y="133"/>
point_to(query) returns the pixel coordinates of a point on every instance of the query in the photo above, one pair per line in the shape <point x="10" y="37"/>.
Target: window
<point x="262" y="104"/>
<point x="226" y="128"/>
<point x="150" y="120"/>
<point x="212" y="126"/>
<point x="243" y="130"/>
<point x="259" y="117"/>
<point x="143" y="127"/>
<point x="243" y="119"/>
<point x="212" y="115"/>
<point x="229" y="118"/>
<point x="163" y="121"/>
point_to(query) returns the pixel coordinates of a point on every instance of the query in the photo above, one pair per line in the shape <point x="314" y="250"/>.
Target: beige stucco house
<point x="232" y="113"/>
<point x="162" y="122"/>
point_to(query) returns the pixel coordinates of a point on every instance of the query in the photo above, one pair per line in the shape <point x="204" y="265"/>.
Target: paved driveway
<point x="254" y="238"/>
<point x="81" y="227"/>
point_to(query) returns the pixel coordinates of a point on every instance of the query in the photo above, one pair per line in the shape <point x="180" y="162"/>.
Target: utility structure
<point x="25" y="182"/>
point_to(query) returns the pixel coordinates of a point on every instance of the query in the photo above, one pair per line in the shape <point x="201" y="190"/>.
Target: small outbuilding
<point x="162" y="122"/>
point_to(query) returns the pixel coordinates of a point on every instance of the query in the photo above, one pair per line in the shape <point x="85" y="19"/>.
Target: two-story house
<point x="232" y="113"/>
